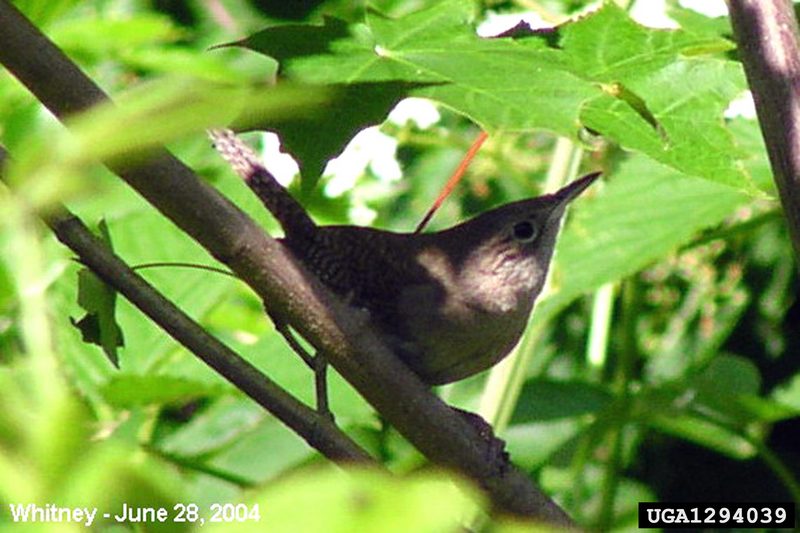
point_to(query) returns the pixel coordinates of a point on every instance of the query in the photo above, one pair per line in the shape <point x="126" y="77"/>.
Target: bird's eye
<point x="524" y="231"/>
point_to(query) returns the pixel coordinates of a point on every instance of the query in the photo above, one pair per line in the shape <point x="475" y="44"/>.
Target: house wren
<point x="450" y="303"/>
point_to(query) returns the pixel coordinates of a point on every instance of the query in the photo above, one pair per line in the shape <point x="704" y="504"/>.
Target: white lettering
<point x="141" y="514"/>
<point x="90" y="514"/>
<point x="20" y="513"/>
<point x="51" y="513"/>
<point x="682" y="518"/>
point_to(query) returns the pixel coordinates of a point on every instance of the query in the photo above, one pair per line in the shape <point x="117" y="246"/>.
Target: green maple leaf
<point x="658" y="92"/>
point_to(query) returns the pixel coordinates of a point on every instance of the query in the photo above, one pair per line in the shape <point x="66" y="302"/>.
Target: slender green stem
<point x="602" y="310"/>
<point x="770" y="458"/>
<point x="611" y="477"/>
<point x="777" y="466"/>
<point x="179" y="264"/>
<point x="623" y="373"/>
<point x="197" y="466"/>
<point x="596" y="356"/>
<point x="578" y="464"/>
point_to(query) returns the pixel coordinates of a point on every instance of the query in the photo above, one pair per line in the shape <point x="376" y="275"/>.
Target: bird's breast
<point x="447" y="339"/>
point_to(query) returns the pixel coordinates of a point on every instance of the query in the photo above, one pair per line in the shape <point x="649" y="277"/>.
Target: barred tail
<point x="293" y="218"/>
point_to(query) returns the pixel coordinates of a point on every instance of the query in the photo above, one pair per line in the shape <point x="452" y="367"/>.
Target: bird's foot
<point x="496" y="447"/>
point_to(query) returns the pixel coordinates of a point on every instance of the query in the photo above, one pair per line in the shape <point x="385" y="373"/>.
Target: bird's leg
<point x="321" y="385"/>
<point x="316" y="362"/>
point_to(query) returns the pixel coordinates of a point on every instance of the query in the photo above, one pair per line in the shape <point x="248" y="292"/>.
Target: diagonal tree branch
<point x="767" y="35"/>
<point x="318" y="431"/>
<point x="343" y="334"/>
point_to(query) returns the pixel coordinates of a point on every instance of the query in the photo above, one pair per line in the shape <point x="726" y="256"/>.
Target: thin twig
<point x="453" y="181"/>
<point x="181" y="264"/>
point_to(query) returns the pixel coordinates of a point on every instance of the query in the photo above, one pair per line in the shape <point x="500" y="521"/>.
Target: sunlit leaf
<point x="677" y="80"/>
<point x="99" y="325"/>
<point x="360" y="501"/>
<point x="126" y="390"/>
<point x="644" y="212"/>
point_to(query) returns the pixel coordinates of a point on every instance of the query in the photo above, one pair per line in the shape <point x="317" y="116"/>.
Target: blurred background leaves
<point x="694" y="394"/>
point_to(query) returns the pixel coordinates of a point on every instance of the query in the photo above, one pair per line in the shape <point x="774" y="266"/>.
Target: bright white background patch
<point x="369" y="148"/>
<point x="421" y="112"/>
<point x="742" y="106"/>
<point x="282" y="165"/>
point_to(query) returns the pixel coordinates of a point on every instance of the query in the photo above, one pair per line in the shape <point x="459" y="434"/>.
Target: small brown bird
<point x="451" y="303"/>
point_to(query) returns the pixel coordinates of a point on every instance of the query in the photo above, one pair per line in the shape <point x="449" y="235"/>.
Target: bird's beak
<point x="574" y="189"/>
<point x="568" y="193"/>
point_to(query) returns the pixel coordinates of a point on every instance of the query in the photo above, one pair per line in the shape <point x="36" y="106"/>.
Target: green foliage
<point x="361" y="500"/>
<point x="684" y="232"/>
<point x="98" y="325"/>
<point x="607" y="240"/>
<point x="524" y="84"/>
